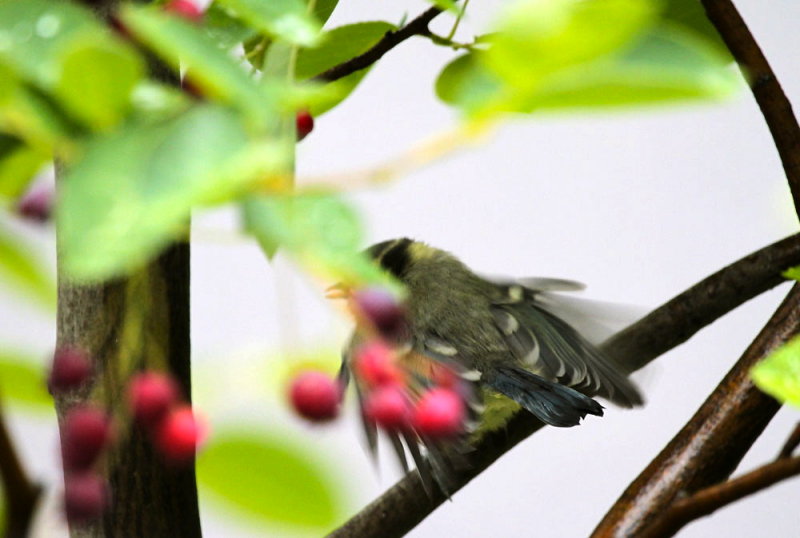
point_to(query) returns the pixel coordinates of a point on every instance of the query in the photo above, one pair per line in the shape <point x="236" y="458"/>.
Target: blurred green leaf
<point x="216" y="73"/>
<point x="133" y="190"/>
<point x="18" y="164"/>
<point x="446" y="5"/>
<point x="271" y="479"/>
<point x="664" y="65"/>
<point x="224" y="28"/>
<point x="65" y="51"/>
<point x="339" y="45"/>
<point x="778" y="374"/>
<point x="286" y="19"/>
<point x="690" y="13"/>
<point x="22" y="380"/>
<point x="323" y="9"/>
<point x="319" y="229"/>
<point x="793" y="273"/>
<point x="535" y="38"/>
<point x="24" y="272"/>
<point x="465" y="83"/>
<point x="31" y="115"/>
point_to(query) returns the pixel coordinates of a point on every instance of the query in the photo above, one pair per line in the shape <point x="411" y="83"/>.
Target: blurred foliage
<point x="778" y="374"/>
<point x="22" y="381"/>
<point x="271" y="479"/>
<point x="140" y="156"/>
<point x="25" y="274"/>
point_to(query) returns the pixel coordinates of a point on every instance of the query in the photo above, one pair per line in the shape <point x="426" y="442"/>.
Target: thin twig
<point x="712" y="498"/>
<point x="405" y="504"/>
<point x="766" y="88"/>
<point x="710" y="446"/>
<point x="791" y="443"/>
<point x="21" y="494"/>
<point x="418" y="26"/>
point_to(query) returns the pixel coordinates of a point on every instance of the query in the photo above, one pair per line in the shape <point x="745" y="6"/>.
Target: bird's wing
<point x="549" y="347"/>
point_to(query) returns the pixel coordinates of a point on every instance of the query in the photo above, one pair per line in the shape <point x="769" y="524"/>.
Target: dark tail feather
<point x="550" y="402"/>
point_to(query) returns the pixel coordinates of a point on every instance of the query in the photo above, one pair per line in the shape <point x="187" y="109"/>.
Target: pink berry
<point x="178" y="435"/>
<point x="305" y="124"/>
<point x="71" y="369"/>
<point x="151" y="395"/>
<point x="85" y="497"/>
<point x="439" y="413"/>
<point x="186" y="9"/>
<point x="388" y="407"/>
<point x="86" y="432"/>
<point x="381" y="309"/>
<point x="36" y="205"/>
<point x="374" y="365"/>
<point x="315" y="396"/>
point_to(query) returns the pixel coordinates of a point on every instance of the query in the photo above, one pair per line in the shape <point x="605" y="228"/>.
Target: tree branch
<point x="766" y="88"/>
<point x="21" y="494"/>
<point x="733" y="417"/>
<point x="712" y="498"/>
<point x="791" y="443"/>
<point x="405" y="504"/>
<point x="418" y="26"/>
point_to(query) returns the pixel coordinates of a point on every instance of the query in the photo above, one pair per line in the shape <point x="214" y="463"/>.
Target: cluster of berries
<point x="426" y="398"/>
<point x="88" y="431"/>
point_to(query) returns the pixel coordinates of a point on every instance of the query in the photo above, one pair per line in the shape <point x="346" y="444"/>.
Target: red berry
<point x="85" y="497"/>
<point x="87" y="431"/>
<point x="36" y="205"/>
<point x="388" y="407"/>
<point x="374" y="365"/>
<point x="444" y="376"/>
<point x="439" y="413"/>
<point x="151" y="395"/>
<point x="381" y="309"/>
<point x="315" y="396"/>
<point x="71" y="369"/>
<point x="178" y="435"/>
<point x="305" y="124"/>
<point x="186" y="9"/>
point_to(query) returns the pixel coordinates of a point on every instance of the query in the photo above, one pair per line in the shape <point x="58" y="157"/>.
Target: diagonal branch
<point x="710" y="446"/>
<point x="21" y="494"/>
<point x="405" y="504"/>
<point x="791" y="443"/>
<point x="766" y="88"/>
<point x="418" y="26"/>
<point x="712" y="498"/>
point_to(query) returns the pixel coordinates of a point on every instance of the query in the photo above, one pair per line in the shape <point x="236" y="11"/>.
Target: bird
<point x="502" y="337"/>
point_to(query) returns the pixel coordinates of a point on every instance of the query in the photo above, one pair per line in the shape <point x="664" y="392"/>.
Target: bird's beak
<point x="337" y="291"/>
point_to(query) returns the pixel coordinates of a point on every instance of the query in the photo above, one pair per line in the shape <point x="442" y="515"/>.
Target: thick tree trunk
<point x="126" y="325"/>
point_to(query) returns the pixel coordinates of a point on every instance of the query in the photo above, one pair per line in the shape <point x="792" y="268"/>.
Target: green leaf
<point x="793" y="273"/>
<point x="22" y="380"/>
<point x="31" y="115"/>
<point x="271" y="479"/>
<point x="18" y="165"/>
<point x="214" y="71"/>
<point x="225" y="28"/>
<point x="339" y="45"/>
<point x="446" y="5"/>
<point x="538" y="37"/>
<point x="465" y="83"/>
<point x="133" y="190"/>
<point x="286" y="19"/>
<point x="65" y="51"/>
<point x="24" y="272"/>
<point x="778" y="374"/>
<point x="323" y="9"/>
<point x="664" y="65"/>
<point x="690" y="13"/>
<point x="319" y="229"/>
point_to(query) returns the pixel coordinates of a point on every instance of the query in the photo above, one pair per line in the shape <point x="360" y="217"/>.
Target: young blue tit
<point x="501" y="336"/>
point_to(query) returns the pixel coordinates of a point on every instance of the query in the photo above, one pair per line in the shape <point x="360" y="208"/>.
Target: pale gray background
<point x="638" y="205"/>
